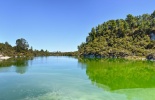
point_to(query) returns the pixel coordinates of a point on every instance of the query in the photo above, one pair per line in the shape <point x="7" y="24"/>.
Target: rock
<point x="150" y="57"/>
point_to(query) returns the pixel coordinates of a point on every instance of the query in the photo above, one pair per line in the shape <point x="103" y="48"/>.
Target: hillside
<point x="133" y="36"/>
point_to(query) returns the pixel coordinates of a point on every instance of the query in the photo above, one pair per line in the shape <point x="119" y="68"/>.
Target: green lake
<point x="68" y="78"/>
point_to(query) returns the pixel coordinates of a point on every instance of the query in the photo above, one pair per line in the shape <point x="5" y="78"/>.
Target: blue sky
<point x="61" y="25"/>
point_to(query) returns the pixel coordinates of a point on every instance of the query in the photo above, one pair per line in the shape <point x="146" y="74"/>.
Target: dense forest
<point x="132" y="36"/>
<point x="21" y="49"/>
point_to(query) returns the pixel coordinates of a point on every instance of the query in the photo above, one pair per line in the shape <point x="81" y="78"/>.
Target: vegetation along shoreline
<point x="129" y="38"/>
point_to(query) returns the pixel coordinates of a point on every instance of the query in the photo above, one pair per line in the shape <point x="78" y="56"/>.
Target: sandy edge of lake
<point x="4" y="57"/>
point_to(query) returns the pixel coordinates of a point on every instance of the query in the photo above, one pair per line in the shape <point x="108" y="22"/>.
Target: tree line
<point x="21" y="49"/>
<point x="132" y="36"/>
<point x="59" y="53"/>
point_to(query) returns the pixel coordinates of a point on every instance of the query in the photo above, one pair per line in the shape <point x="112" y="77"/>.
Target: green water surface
<point x="66" y="78"/>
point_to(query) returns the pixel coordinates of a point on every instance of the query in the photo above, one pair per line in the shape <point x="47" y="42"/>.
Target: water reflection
<point x="20" y="65"/>
<point x="115" y="74"/>
<point x="60" y="78"/>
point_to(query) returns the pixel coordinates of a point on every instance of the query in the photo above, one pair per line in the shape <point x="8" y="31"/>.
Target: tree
<point x="21" y="44"/>
<point x="6" y="43"/>
<point x="153" y="14"/>
<point x="130" y="36"/>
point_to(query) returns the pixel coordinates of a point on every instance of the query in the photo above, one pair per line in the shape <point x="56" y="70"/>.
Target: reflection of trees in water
<point x="6" y="63"/>
<point x="21" y="70"/>
<point x="119" y="73"/>
<point x="82" y="63"/>
<point x="19" y="63"/>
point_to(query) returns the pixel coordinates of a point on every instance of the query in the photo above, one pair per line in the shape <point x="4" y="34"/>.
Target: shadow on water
<point x="115" y="74"/>
<point x="20" y="64"/>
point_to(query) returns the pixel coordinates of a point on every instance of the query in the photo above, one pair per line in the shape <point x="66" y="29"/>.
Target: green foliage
<point x="21" y="44"/>
<point x="21" y="49"/>
<point x="118" y="38"/>
<point x="58" y="53"/>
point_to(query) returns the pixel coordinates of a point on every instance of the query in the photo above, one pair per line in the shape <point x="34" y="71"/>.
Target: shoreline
<point x="135" y="58"/>
<point x="142" y="58"/>
<point x="4" y="57"/>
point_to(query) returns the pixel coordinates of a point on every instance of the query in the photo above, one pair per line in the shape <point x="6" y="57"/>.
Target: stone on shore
<point x="150" y="57"/>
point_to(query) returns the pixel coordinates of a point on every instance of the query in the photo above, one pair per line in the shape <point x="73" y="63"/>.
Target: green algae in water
<point x="64" y="78"/>
<point x="121" y="74"/>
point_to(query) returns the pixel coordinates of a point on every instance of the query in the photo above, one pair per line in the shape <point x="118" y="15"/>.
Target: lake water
<point x="66" y="78"/>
